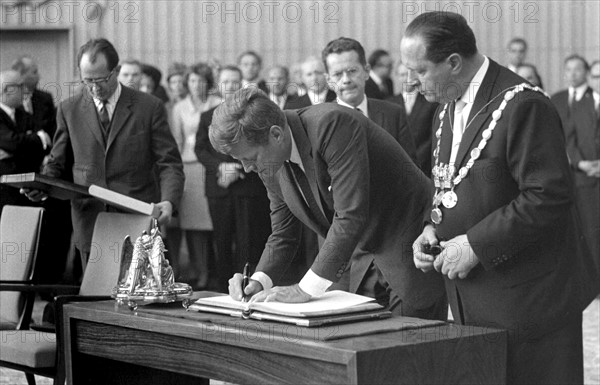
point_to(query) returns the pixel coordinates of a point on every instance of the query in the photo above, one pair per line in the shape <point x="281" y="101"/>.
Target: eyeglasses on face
<point x="98" y="81"/>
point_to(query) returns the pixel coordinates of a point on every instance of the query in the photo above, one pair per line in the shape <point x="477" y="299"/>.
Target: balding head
<point x="28" y="69"/>
<point x="313" y="74"/>
<point x="11" y="88"/>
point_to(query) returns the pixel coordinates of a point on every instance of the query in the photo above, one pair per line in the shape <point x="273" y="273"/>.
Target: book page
<point x="332" y="302"/>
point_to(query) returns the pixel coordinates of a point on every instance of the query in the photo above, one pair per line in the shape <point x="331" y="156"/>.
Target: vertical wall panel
<point x="162" y="31"/>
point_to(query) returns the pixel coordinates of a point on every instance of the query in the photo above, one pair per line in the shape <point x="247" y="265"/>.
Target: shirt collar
<point x="362" y="106"/>
<point x="470" y="92"/>
<point x="317" y="98"/>
<point x="375" y="78"/>
<point x="579" y="91"/>
<point x="112" y="99"/>
<point x="295" y="154"/>
<point x="9" y="110"/>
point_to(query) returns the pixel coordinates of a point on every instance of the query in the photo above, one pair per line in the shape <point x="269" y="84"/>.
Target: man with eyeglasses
<point x="114" y="137"/>
<point x="348" y="72"/>
<point x="21" y="147"/>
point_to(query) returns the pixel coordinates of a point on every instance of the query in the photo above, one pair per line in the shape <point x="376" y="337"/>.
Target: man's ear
<point x="455" y="61"/>
<point x="276" y="132"/>
<point x="367" y="71"/>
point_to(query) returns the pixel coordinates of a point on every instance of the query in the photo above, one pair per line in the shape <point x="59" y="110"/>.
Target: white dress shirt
<point x="468" y="98"/>
<point x="362" y="106"/>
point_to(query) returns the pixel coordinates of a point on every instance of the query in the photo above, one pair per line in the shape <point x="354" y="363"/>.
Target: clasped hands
<point x="254" y="291"/>
<point x="456" y="260"/>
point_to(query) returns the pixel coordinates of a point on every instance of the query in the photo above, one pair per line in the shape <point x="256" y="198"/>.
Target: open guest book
<point x="332" y="307"/>
<point x="62" y="189"/>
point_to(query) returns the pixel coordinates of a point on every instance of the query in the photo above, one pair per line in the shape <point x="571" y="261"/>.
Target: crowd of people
<point x="325" y="176"/>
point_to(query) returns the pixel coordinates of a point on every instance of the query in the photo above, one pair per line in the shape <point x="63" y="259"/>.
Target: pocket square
<point x="329" y="188"/>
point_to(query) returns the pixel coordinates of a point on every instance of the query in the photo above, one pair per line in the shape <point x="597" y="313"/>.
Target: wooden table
<point x="109" y="344"/>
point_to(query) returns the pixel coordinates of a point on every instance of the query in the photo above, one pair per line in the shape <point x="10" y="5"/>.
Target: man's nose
<point x="248" y="167"/>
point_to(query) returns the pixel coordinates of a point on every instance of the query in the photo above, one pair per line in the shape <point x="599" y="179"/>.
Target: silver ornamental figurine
<point x="146" y="275"/>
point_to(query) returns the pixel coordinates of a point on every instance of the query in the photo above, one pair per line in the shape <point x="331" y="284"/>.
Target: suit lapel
<point x="375" y="114"/>
<point x="304" y="148"/>
<point x="121" y="115"/>
<point x="8" y="121"/>
<point x="90" y="117"/>
<point x="476" y="122"/>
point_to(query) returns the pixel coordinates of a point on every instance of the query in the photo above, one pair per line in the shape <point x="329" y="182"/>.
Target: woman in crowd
<point x="194" y="217"/>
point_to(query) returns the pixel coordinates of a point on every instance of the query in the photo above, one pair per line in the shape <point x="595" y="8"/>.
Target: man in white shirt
<point x="130" y="73"/>
<point x="278" y="78"/>
<point x="517" y="52"/>
<point x="341" y="175"/>
<point x="317" y="90"/>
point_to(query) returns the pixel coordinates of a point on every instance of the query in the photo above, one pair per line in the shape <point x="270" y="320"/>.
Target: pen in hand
<point x="245" y="282"/>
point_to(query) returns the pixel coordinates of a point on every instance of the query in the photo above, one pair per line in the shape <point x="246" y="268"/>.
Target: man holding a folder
<point x="114" y="137"/>
<point x="347" y="179"/>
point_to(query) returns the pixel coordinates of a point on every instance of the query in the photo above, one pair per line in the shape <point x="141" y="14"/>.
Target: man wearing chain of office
<point x="502" y="212"/>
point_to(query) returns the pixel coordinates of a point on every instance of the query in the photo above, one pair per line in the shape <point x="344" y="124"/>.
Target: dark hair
<point x="251" y="53"/>
<point x="153" y="72"/>
<point x="376" y="55"/>
<point x="518" y="40"/>
<point x="535" y="72"/>
<point x="343" y="44"/>
<point x="203" y="70"/>
<point x="95" y="46"/>
<point x="230" y="67"/>
<point x="443" y="33"/>
<point x="249" y="114"/>
<point x="586" y="66"/>
<point x="176" y="68"/>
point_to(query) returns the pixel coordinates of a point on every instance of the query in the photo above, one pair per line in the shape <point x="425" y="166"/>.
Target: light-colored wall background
<point x="159" y="31"/>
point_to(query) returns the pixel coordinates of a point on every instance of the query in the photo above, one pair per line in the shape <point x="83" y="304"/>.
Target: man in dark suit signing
<point x="115" y="137"/>
<point x="348" y="71"/>
<point x="503" y="210"/>
<point x="347" y="179"/>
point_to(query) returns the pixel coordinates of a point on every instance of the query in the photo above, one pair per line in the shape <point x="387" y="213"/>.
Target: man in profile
<point x="512" y="257"/>
<point x="344" y="177"/>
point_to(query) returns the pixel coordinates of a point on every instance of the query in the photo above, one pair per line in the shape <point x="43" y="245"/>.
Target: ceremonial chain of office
<point x="444" y="174"/>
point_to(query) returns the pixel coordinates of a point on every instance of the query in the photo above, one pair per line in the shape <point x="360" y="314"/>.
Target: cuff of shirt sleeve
<point x="314" y="285"/>
<point x="45" y="138"/>
<point x="264" y="279"/>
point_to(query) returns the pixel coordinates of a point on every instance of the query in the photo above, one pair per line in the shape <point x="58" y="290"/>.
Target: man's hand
<point x="34" y="195"/>
<point x="457" y="258"/>
<point x="228" y="173"/>
<point x="166" y="212"/>
<point x="427" y="238"/>
<point x="291" y="294"/>
<point x="235" y="287"/>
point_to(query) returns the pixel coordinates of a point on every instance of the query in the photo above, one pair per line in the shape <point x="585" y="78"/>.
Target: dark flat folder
<point x="54" y="187"/>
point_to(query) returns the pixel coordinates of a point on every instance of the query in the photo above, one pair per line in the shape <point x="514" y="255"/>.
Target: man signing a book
<point x="346" y="178"/>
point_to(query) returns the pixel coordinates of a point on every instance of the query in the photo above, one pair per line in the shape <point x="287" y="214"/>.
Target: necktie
<point x="302" y="183"/>
<point x="104" y="118"/>
<point x="28" y="105"/>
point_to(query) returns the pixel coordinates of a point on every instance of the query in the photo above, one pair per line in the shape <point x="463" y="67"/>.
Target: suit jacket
<point x="139" y="159"/>
<point x="304" y="101"/>
<point x="358" y="175"/>
<point x="24" y="151"/>
<point x="516" y="208"/>
<point x="372" y="90"/>
<point x="580" y="123"/>
<point x="420" y="122"/>
<point x="250" y="186"/>
<point x="392" y="118"/>
<point x="44" y="112"/>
